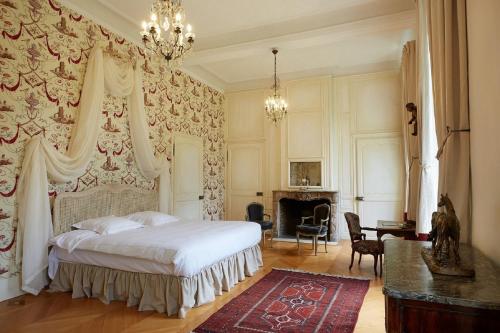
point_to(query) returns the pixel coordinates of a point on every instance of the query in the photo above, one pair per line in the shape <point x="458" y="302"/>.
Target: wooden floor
<point x="59" y="313"/>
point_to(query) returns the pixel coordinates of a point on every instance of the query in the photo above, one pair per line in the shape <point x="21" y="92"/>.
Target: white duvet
<point x="187" y="245"/>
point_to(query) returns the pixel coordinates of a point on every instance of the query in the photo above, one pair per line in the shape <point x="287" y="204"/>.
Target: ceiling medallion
<point x="165" y="34"/>
<point x="276" y="107"/>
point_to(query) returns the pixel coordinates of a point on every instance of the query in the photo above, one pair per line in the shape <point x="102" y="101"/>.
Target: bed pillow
<point x="70" y="240"/>
<point x="108" y="225"/>
<point x="152" y="219"/>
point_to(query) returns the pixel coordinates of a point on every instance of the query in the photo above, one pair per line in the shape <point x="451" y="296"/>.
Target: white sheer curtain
<point x="42" y="160"/>
<point x="429" y="165"/>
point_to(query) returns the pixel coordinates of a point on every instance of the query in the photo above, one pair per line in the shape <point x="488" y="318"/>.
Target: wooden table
<point x="395" y="228"/>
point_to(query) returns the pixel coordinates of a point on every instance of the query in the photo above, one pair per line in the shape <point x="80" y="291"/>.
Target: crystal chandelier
<point x="276" y="107"/>
<point x="165" y="34"/>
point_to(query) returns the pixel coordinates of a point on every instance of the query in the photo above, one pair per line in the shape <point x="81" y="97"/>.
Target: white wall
<point x="304" y="135"/>
<point x="483" y="29"/>
<point x="248" y="131"/>
<point x="326" y="115"/>
<point x="364" y="106"/>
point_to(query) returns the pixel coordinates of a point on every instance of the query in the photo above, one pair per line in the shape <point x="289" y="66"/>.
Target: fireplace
<point x="291" y="212"/>
<point x="290" y="206"/>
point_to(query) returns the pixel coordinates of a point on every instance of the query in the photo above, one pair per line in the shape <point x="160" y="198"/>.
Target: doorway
<point x="188" y="177"/>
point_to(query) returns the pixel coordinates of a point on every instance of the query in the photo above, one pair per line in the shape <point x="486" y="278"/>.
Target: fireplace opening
<point x="291" y="212"/>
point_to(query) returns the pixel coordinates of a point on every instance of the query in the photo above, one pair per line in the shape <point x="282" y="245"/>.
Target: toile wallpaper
<point x="43" y="55"/>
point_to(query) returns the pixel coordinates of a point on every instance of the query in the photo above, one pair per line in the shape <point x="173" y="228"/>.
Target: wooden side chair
<point x="360" y="244"/>
<point x="317" y="229"/>
<point x="255" y="213"/>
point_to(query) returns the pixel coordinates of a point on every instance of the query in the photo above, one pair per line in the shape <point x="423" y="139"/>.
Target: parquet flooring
<point x="57" y="312"/>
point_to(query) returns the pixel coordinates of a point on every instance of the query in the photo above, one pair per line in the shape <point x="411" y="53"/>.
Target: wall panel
<point x="305" y="135"/>
<point x="373" y="100"/>
<point x="246" y="119"/>
<point x="367" y="106"/>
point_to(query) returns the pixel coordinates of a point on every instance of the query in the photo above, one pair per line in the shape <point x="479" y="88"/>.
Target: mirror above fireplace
<point x="305" y="174"/>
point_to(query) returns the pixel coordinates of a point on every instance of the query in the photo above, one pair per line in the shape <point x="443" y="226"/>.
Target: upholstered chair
<point x="317" y="228"/>
<point x="255" y="213"/>
<point x="360" y="244"/>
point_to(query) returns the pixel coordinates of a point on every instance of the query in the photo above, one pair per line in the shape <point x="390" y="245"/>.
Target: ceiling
<point x="314" y="37"/>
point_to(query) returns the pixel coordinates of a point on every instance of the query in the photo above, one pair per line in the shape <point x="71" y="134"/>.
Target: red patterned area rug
<point x="290" y="301"/>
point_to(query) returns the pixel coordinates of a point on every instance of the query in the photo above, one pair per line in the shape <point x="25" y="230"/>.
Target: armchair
<point x="360" y="244"/>
<point x="255" y="213"/>
<point x="317" y="229"/>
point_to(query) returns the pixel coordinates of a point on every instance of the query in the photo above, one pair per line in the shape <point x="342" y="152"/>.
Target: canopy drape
<point x="43" y="161"/>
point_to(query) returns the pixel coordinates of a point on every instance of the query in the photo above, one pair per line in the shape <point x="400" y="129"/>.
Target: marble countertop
<point x="406" y="276"/>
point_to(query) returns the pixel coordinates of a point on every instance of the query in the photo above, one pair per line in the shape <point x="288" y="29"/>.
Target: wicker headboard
<point x="118" y="200"/>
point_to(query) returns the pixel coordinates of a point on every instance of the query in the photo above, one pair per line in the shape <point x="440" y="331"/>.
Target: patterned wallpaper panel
<point x="43" y="55"/>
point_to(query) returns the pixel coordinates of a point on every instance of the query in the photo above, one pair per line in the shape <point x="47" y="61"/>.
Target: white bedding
<point x="186" y="246"/>
<point x="106" y="260"/>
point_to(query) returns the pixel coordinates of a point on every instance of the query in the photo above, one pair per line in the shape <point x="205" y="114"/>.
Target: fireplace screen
<point x="305" y="174"/>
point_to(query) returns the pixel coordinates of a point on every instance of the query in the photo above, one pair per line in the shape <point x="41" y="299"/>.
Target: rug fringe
<point x="363" y="278"/>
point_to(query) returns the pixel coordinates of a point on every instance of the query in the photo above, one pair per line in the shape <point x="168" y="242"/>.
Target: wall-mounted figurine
<point x="410" y="107"/>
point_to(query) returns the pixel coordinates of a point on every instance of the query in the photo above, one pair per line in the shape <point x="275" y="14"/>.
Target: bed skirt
<point x="163" y="293"/>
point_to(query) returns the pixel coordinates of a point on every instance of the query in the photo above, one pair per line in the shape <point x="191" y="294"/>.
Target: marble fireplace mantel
<point x="306" y="195"/>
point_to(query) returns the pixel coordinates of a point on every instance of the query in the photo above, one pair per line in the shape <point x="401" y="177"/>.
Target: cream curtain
<point x="448" y="53"/>
<point x="42" y="160"/>
<point x="409" y="95"/>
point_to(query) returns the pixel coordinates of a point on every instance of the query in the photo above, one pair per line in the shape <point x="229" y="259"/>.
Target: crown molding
<point x="201" y="74"/>
<point x="194" y="65"/>
<point x="355" y="11"/>
<point x="122" y="14"/>
<point x="115" y="21"/>
<point x="328" y="35"/>
<point x="107" y="17"/>
<point x="317" y="72"/>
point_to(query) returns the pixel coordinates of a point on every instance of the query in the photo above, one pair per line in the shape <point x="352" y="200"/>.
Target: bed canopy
<point x="42" y="160"/>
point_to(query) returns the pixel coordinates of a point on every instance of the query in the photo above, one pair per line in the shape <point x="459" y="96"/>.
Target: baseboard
<point x="9" y="288"/>
<point x="305" y="241"/>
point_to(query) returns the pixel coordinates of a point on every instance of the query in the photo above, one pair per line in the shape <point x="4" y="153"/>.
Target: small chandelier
<point x="165" y="34"/>
<point x="276" y="107"/>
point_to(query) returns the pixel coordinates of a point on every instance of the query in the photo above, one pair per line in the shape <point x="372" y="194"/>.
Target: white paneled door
<point x="245" y="177"/>
<point x="379" y="179"/>
<point x="188" y="177"/>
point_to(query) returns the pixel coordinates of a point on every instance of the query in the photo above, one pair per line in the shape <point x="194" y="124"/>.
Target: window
<point x="429" y="164"/>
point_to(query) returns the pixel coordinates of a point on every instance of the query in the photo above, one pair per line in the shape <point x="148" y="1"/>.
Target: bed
<point x="169" y="269"/>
